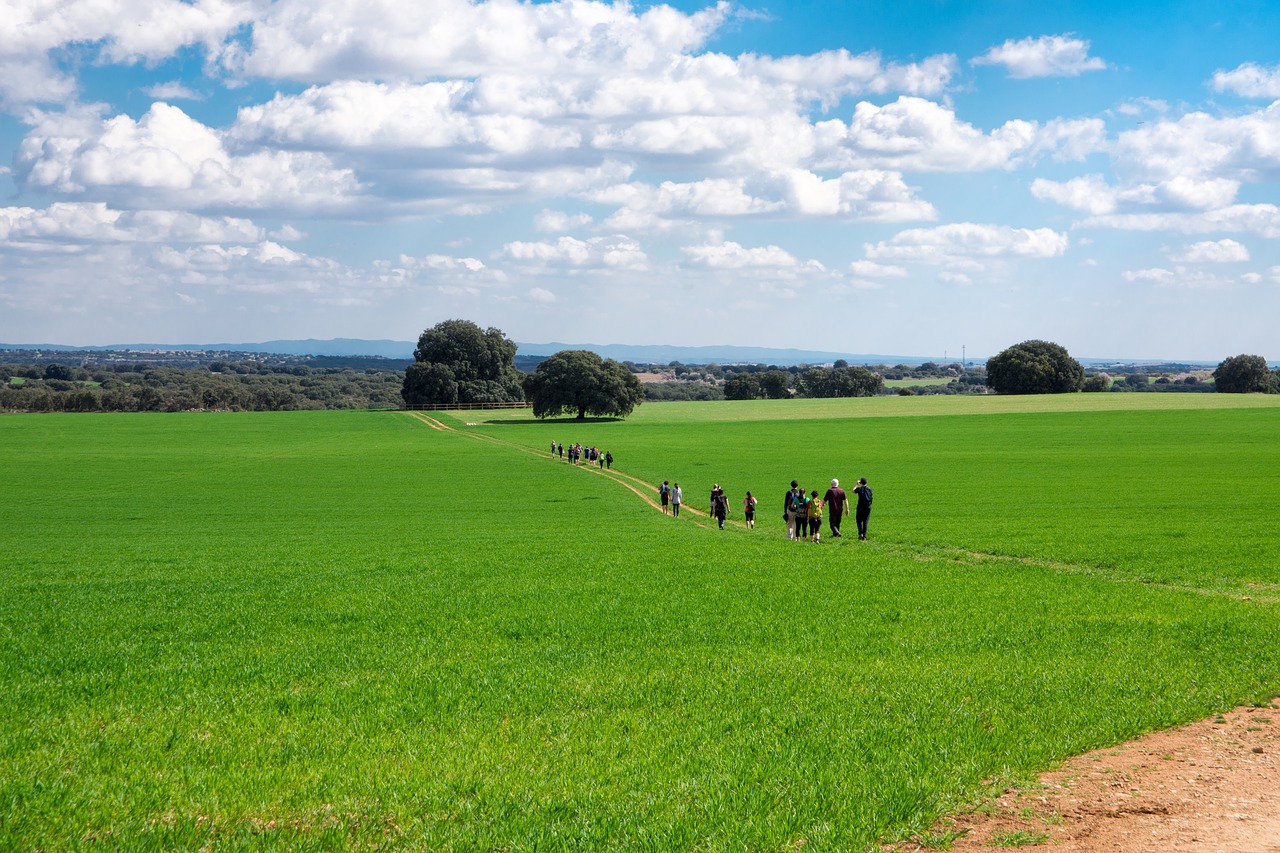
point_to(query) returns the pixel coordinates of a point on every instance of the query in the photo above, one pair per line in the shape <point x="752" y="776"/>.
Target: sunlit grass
<point x="344" y="630"/>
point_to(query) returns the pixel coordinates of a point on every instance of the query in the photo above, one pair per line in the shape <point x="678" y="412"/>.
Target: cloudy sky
<point x="886" y="176"/>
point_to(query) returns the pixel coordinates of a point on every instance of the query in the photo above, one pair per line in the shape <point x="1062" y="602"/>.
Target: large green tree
<point x="458" y="362"/>
<point x="581" y="381"/>
<point x="840" y="382"/>
<point x="1244" y="374"/>
<point x="1034" y="367"/>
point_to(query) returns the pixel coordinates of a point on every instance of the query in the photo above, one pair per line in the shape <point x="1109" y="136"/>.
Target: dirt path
<point x="1210" y="787"/>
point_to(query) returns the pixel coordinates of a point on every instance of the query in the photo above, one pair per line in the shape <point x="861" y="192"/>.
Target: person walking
<point x="815" y="516"/>
<point x="719" y="505"/>
<point x="749" y="510"/>
<point x="837" y="504"/>
<point x="863" y="513"/>
<point x="801" y="504"/>
<point x="608" y="460"/>
<point x="789" y="510"/>
<point x="677" y="498"/>
<point x="664" y="495"/>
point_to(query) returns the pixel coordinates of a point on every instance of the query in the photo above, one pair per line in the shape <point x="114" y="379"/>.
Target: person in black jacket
<point x="863" y="512"/>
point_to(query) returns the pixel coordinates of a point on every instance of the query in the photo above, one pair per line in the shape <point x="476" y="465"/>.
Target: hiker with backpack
<point x="815" y="515"/>
<point x="664" y="495"/>
<point x="719" y="505"/>
<point x="800" y="507"/>
<point x="863" y="512"/>
<point x="789" y="510"/>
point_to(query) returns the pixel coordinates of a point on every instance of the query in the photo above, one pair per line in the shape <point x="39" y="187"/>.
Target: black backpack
<point x="866" y="494"/>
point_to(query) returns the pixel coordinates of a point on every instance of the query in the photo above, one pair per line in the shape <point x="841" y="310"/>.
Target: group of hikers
<point x="802" y="512"/>
<point x="578" y="453"/>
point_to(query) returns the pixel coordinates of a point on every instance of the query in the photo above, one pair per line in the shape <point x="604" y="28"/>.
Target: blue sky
<point x="906" y="177"/>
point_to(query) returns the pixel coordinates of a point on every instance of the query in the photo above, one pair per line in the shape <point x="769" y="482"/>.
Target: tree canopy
<point x="581" y="381"/>
<point x="458" y="362"/>
<point x="1034" y="367"/>
<point x="1244" y="374"/>
<point x="840" y="382"/>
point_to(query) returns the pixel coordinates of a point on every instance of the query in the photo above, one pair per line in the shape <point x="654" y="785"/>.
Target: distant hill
<point x="642" y="354"/>
<point x="645" y="354"/>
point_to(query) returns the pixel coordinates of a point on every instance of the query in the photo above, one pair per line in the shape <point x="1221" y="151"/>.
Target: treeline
<point x="222" y="386"/>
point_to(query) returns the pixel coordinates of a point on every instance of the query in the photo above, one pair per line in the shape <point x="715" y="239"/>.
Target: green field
<point x="332" y="630"/>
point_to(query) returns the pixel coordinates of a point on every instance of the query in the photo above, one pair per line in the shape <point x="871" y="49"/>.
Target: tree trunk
<point x="582" y="413"/>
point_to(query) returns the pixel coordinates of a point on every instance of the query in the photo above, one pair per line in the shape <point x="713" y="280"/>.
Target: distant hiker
<point x="560" y="450"/>
<point x="677" y="497"/>
<point x="664" y="495"/>
<point x="608" y="460"/>
<point x="815" y="516"/>
<point x="553" y="450"/>
<point x="719" y="505"/>
<point x="789" y="510"/>
<point x="837" y="503"/>
<point x="800" y="506"/>
<point x="863" y="513"/>
<point x="599" y="457"/>
<point x="749" y="510"/>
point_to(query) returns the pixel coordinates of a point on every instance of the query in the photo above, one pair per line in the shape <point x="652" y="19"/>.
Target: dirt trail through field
<point x="646" y="491"/>
<point x="1208" y="787"/>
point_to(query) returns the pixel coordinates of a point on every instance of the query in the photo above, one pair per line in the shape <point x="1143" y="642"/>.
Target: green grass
<point x="343" y="630"/>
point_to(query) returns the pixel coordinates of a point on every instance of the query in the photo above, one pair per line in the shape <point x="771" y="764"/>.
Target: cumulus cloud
<point x="871" y="269"/>
<point x="1198" y="146"/>
<point x="1092" y="194"/>
<point x="615" y="252"/>
<point x="967" y="240"/>
<point x="67" y="222"/>
<point x="173" y="91"/>
<point x="730" y="255"/>
<point x="1212" y="252"/>
<point x="554" y="220"/>
<point x="122" y="31"/>
<point x="167" y="159"/>
<point x="1249" y="80"/>
<point x="1156" y="274"/>
<point x="920" y="135"/>
<point x="1045" y="56"/>
<point x="1260" y="219"/>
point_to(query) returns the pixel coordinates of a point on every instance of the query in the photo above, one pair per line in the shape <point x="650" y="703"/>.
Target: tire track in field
<point x="641" y="488"/>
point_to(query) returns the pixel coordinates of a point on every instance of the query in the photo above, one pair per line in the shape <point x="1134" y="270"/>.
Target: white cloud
<point x="962" y="240"/>
<point x="616" y="252"/>
<point x="173" y="91"/>
<point x="1249" y="80"/>
<point x="96" y="223"/>
<point x="554" y="221"/>
<point x="1046" y="56"/>
<point x="730" y="255"/>
<point x="871" y="269"/>
<point x="123" y="31"/>
<point x="1260" y="219"/>
<point x="1092" y="194"/>
<point x="1156" y="274"/>
<point x="384" y="39"/>
<point x="167" y="159"/>
<point x="538" y="294"/>
<point x="1212" y="252"/>
<point x="920" y="135"/>
<point x="1197" y="146"/>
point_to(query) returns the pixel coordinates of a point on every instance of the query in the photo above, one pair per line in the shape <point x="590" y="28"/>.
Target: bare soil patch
<point x="1211" y="787"/>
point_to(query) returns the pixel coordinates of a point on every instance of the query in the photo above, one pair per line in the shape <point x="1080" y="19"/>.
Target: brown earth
<point x="1211" y="787"/>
